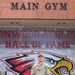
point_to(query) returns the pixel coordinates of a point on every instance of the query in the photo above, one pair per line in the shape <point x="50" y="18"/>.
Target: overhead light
<point x="61" y="23"/>
<point x="14" y="22"/>
<point x="64" y="23"/>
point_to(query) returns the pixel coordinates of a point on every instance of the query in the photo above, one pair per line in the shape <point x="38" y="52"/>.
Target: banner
<point x="19" y="51"/>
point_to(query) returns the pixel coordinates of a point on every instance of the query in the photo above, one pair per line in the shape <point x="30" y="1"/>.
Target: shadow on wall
<point x="72" y="73"/>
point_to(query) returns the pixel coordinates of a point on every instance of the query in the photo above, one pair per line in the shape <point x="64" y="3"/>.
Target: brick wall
<point x="41" y="13"/>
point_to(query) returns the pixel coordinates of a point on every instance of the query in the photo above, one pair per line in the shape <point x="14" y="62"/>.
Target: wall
<point x="6" y="11"/>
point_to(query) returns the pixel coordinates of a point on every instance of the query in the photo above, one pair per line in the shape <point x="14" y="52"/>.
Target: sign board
<point x="30" y="9"/>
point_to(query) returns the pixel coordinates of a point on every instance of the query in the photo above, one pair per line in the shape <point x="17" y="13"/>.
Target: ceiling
<point x="38" y="24"/>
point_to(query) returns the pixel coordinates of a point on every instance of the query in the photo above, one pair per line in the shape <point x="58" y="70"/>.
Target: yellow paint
<point x="62" y="64"/>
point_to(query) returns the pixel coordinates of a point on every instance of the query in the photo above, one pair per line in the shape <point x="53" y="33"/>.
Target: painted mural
<point x="21" y="63"/>
<point x="19" y="51"/>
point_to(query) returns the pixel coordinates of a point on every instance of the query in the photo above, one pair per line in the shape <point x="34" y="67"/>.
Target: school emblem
<point x="22" y="63"/>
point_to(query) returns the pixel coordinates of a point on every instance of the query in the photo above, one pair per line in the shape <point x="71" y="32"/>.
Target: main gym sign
<point x="37" y="9"/>
<point x="37" y="6"/>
